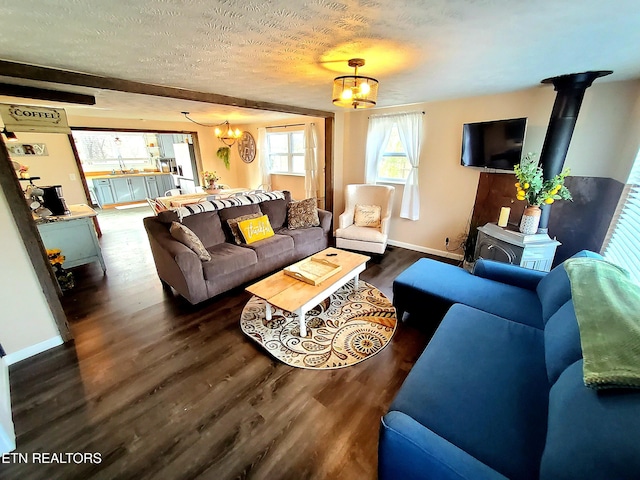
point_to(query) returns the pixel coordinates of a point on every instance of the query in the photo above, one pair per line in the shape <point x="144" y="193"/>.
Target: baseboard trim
<point x="25" y="353"/>
<point x="430" y="251"/>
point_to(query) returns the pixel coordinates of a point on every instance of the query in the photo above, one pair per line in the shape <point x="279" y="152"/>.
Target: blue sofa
<point x="498" y="392"/>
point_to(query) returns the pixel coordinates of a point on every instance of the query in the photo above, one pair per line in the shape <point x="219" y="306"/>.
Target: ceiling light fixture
<point x="355" y="91"/>
<point x="11" y="137"/>
<point x="223" y="131"/>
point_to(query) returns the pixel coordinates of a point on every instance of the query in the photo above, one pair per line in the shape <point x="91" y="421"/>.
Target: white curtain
<point x="310" y="161"/>
<point x="377" y="138"/>
<point x="263" y="156"/>
<point x="410" y="130"/>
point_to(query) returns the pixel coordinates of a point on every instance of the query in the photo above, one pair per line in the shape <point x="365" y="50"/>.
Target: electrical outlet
<point x="72" y="177"/>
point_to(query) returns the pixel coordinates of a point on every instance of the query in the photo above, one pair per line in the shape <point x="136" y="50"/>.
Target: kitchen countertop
<point x="119" y="175"/>
<point x="80" y="210"/>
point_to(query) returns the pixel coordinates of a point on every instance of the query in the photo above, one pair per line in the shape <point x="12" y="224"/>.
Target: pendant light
<point x="223" y="131"/>
<point x="355" y="91"/>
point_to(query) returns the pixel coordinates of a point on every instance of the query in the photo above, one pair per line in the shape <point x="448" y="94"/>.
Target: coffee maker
<point x="53" y="200"/>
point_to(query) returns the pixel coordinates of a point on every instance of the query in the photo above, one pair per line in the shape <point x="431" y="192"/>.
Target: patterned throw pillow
<point x="367" y="216"/>
<point x="303" y="214"/>
<point x="255" y="229"/>
<point x="233" y="225"/>
<point x="187" y="237"/>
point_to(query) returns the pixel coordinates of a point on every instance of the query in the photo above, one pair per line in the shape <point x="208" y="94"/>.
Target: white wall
<point x="599" y="148"/>
<point x="604" y="132"/>
<point x="26" y="319"/>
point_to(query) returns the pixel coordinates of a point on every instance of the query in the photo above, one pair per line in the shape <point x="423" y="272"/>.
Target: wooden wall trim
<point x="46" y="94"/>
<point x="65" y="77"/>
<point x="328" y="164"/>
<point x="32" y="241"/>
<point x="134" y="130"/>
<point x="83" y="178"/>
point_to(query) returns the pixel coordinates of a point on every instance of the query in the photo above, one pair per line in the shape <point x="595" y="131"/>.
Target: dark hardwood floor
<point x="165" y="390"/>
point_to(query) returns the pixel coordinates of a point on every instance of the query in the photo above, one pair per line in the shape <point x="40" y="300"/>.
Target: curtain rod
<point x="285" y="126"/>
<point x="391" y="114"/>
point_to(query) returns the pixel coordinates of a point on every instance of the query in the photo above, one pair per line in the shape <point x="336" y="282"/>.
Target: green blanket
<point x="607" y="305"/>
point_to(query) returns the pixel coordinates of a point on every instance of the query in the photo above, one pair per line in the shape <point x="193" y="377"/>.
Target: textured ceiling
<point x="288" y="51"/>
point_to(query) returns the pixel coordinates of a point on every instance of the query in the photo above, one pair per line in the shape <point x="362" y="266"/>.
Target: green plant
<point x="223" y="154"/>
<point x="532" y="187"/>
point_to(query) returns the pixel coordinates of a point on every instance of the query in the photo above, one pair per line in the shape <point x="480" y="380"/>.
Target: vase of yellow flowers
<point x="532" y="187"/>
<point x="210" y="179"/>
<point x="64" y="277"/>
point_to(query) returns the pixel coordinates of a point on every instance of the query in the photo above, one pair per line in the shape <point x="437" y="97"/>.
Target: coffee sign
<point x="26" y="118"/>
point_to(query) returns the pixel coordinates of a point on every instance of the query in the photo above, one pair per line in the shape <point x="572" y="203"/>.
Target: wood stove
<point x="508" y="245"/>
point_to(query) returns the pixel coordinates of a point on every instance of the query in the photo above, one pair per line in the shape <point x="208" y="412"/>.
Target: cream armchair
<point x="365" y="239"/>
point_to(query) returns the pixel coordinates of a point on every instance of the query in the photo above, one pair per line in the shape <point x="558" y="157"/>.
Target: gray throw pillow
<point x="303" y="214"/>
<point x="185" y="236"/>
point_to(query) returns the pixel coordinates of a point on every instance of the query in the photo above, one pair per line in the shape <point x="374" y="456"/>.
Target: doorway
<point x="123" y="168"/>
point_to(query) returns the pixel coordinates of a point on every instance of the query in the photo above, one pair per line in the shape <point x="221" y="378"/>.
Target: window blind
<point x="622" y="245"/>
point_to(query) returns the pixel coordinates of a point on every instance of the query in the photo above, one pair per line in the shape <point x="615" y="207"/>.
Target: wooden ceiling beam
<point x="66" y="77"/>
<point x="45" y="94"/>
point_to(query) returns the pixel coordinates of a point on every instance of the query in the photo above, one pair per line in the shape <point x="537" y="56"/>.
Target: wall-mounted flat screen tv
<point x="496" y="144"/>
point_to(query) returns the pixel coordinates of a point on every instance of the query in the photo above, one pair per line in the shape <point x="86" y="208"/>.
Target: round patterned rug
<point x="347" y="328"/>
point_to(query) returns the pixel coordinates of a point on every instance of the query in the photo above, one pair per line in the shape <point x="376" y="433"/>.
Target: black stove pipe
<point x="563" y="119"/>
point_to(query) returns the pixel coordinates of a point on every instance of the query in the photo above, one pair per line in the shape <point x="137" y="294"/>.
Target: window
<point x="394" y="166"/>
<point x="286" y="152"/>
<point x="622" y="246"/>
<point x="109" y="148"/>
<point x="388" y="159"/>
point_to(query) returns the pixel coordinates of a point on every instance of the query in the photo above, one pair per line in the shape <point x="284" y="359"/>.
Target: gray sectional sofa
<point x="231" y="265"/>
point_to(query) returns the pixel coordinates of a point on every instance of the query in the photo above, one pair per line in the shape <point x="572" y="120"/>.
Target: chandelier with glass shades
<point x="223" y="131"/>
<point x="355" y="91"/>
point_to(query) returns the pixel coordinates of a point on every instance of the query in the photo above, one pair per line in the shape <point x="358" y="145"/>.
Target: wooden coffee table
<point x="298" y="297"/>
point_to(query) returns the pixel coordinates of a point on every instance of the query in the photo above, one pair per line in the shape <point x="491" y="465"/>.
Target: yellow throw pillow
<point x="233" y="226"/>
<point x="367" y="216"/>
<point x="255" y="229"/>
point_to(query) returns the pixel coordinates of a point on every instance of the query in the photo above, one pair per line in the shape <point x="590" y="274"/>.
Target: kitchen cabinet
<point x="129" y="189"/>
<point x="167" y="184"/>
<point x="102" y="187"/>
<point x="75" y="235"/>
<point x="166" y="141"/>
<point x="154" y="185"/>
